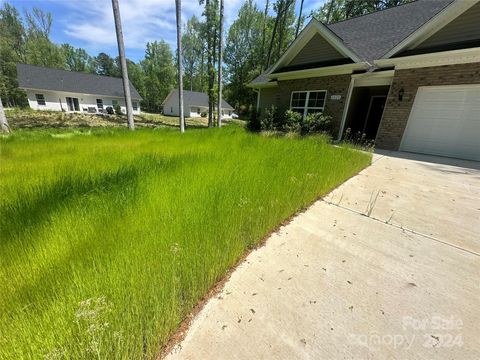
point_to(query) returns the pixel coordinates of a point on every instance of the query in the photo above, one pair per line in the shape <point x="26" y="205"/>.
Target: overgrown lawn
<point x="109" y="238"/>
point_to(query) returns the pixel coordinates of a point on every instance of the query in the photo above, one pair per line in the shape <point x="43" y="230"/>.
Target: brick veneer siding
<point x="396" y="112"/>
<point x="335" y="85"/>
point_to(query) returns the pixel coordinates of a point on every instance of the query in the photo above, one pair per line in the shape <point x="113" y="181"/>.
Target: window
<point x="199" y="111"/>
<point x="40" y="99"/>
<point x="114" y="102"/>
<point x="308" y="102"/>
<point x="100" y="104"/>
<point x="73" y="104"/>
<point x="135" y="105"/>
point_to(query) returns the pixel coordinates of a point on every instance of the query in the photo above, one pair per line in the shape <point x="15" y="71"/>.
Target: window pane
<point x="317" y="99"/>
<point x="298" y="99"/>
<point x="40" y="99"/>
<point x="99" y="104"/>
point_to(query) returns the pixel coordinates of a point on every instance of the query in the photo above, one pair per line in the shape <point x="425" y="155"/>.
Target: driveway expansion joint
<point x="400" y="227"/>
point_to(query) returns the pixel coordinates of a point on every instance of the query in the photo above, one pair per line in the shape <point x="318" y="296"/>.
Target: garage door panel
<point x="445" y="120"/>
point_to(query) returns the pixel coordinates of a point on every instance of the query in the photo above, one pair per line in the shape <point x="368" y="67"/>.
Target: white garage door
<point x="445" y="120"/>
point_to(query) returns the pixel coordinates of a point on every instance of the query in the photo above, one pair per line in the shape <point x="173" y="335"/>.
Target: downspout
<point x="345" y="109"/>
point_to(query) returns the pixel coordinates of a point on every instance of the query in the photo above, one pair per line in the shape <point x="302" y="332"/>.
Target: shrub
<point x="118" y="110"/>
<point x="317" y="123"/>
<point x="291" y="122"/>
<point x="254" y="123"/>
<point x="109" y="110"/>
<point x="270" y="119"/>
<point x="203" y="114"/>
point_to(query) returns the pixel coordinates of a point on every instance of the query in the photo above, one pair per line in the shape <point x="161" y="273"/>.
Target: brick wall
<point x="396" y="112"/>
<point x="335" y="85"/>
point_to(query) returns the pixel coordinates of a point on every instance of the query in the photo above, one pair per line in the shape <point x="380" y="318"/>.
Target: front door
<point x="73" y="104"/>
<point x="374" y="115"/>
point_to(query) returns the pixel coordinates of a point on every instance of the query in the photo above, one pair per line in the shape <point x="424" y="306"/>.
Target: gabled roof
<point x="194" y="98"/>
<point x="312" y="28"/>
<point x="42" y="78"/>
<point x="374" y="34"/>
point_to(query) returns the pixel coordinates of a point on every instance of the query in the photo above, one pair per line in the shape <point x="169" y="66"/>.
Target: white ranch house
<point x="194" y="105"/>
<point x="61" y="90"/>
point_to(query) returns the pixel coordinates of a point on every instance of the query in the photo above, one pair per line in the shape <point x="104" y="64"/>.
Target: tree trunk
<point x="329" y="13"/>
<point x="178" y="8"/>
<point x="265" y="14"/>
<point x="123" y="63"/>
<point x="220" y="59"/>
<point x="299" y="19"/>
<point x="3" y="119"/>
<point x="270" y="49"/>
<point x="202" y="72"/>
<point x="209" y="66"/>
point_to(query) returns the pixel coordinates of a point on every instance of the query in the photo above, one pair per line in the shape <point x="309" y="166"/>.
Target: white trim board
<point x="444" y="17"/>
<point x="381" y="78"/>
<point x="452" y="57"/>
<point x="319" y="72"/>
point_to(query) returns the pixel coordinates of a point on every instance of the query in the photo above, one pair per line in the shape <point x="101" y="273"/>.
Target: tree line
<point x="255" y="40"/>
<point x="25" y="38"/>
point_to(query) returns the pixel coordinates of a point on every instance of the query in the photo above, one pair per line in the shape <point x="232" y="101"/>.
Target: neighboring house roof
<point x="42" y="78"/>
<point x="195" y="98"/>
<point x="373" y="35"/>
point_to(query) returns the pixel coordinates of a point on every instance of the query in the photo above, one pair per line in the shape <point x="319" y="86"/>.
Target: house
<point x="61" y="90"/>
<point x="408" y="77"/>
<point x="194" y="104"/>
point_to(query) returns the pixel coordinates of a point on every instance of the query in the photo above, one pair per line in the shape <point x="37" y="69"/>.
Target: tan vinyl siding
<point x="466" y="27"/>
<point x="316" y="50"/>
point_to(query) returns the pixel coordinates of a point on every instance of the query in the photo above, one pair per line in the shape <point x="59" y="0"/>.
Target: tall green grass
<point x="109" y="238"/>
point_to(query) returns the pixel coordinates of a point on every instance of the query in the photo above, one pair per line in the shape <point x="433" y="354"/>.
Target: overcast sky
<point x="89" y="23"/>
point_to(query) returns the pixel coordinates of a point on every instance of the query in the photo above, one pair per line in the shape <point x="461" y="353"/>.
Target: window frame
<point x="99" y="101"/>
<point x="306" y="107"/>
<point x="135" y="105"/>
<point x="42" y="100"/>
<point x="114" y="102"/>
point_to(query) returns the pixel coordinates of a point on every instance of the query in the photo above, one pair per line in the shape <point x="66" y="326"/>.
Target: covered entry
<point x="445" y="120"/>
<point x="367" y="97"/>
<point x="366" y="110"/>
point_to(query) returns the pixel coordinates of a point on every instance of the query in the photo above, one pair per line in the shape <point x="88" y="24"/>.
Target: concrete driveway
<point x="387" y="266"/>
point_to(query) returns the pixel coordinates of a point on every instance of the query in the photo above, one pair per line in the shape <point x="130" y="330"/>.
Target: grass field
<point x="109" y="238"/>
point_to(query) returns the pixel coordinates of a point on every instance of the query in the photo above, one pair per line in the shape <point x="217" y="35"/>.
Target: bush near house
<point x="110" y="237"/>
<point x="291" y="121"/>
<point x="118" y="110"/>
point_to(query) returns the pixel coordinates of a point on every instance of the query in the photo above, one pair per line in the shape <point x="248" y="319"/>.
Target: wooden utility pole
<point x="178" y="8"/>
<point x="123" y="63"/>
<point x="3" y="119"/>
<point x="220" y="60"/>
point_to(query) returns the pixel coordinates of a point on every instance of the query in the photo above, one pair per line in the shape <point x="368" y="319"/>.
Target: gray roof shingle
<point x="42" y="78"/>
<point x="195" y="98"/>
<point x="372" y="35"/>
